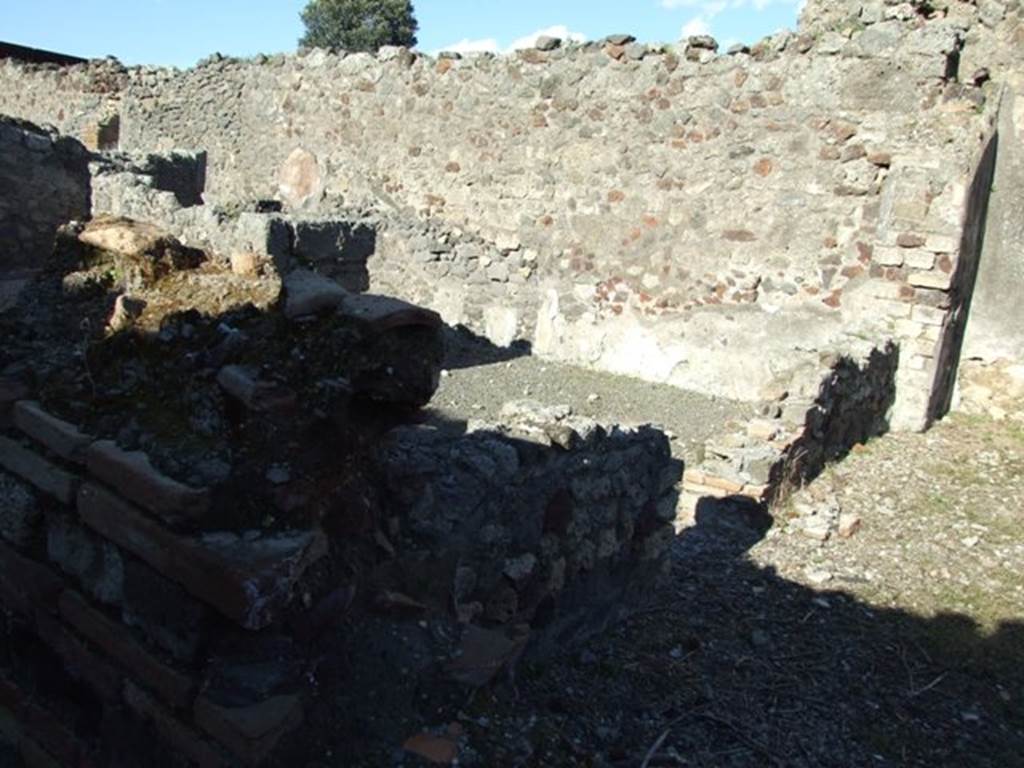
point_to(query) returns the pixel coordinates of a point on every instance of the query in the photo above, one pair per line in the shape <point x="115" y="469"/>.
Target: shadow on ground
<point x="737" y="666"/>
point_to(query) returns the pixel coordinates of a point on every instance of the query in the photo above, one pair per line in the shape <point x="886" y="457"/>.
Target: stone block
<point x="94" y="563"/>
<point x="174" y="687"/>
<point x="701" y="490"/>
<point x="547" y="43"/>
<point x="37" y="471"/>
<point x="300" y="181"/>
<point x="942" y="243"/>
<point x="244" y="384"/>
<point x="934" y="280"/>
<point x="131" y="474"/>
<point x="307" y="293"/>
<point x="57" y="436"/>
<point x="917" y="258"/>
<point x="251" y="732"/>
<point x="143" y="252"/>
<point x="923" y="347"/>
<point x="384" y="313"/>
<point x="178" y="736"/>
<point x="248" y="579"/>
<point x="726" y="484"/>
<point x="889" y="257"/>
<point x="756" y="492"/>
<point x="760" y="429"/>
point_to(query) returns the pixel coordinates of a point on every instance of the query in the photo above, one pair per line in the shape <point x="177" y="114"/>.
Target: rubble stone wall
<point x="125" y="603"/>
<point x="843" y="405"/>
<point x="535" y="533"/>
<point x="553" y="520"/>
<point x="44" y="182"/>
<point x="694" y="218"/>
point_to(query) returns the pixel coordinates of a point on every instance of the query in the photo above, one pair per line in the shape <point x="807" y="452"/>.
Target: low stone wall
<point x="793" y="438"/>
<point x="552" y="520"/>
<point x="44" y="182"/>
<point x="547" y="525"/>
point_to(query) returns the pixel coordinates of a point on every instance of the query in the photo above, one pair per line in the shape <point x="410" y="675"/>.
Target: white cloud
<point x="487" y="44"/>
<point x="709" y="8"/>
<point x="491" y="45"/>
<point x="695" y="26"/>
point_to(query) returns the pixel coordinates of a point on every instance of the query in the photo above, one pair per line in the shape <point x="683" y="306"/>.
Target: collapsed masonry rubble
<point x="213" y="479"/>
<point x="224" y="515"/>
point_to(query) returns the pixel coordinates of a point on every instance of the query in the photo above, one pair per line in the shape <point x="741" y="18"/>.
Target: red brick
<point x="57" y="436"/>
<point x="177" y="735"/>
<point x="247" y="581"/>
<point x="26" y="585"/>
<point x="834" y="299"/>
<point x="764" y="167"/>
<point x="36" y="470"/>
<point x="115" y="639"/>
<point x="252" y="732"/>
<point x="909" y="240"/>
<point x="131" y="474"/>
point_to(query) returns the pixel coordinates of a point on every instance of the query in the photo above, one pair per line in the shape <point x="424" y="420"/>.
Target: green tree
<point x="359" y="25"/>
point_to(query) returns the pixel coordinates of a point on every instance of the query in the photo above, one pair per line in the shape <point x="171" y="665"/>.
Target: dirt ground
<point x="902" y="645"/>
<point x="479" y="379"/>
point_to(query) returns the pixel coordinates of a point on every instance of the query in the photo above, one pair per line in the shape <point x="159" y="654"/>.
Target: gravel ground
<point x="480" y="379"/>
<point x="900" y="646"/>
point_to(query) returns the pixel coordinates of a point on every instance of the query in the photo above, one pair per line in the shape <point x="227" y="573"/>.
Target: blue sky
<point x="179" y="32"/>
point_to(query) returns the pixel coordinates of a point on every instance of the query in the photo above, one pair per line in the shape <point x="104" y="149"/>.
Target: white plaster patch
<point x="501" y="324"/>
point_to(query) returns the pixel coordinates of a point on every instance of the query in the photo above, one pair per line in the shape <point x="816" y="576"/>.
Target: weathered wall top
<point x="647" y="207"/>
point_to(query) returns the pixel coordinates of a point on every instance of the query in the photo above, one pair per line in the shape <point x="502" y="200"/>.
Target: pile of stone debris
<point x="219" y="500"/>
